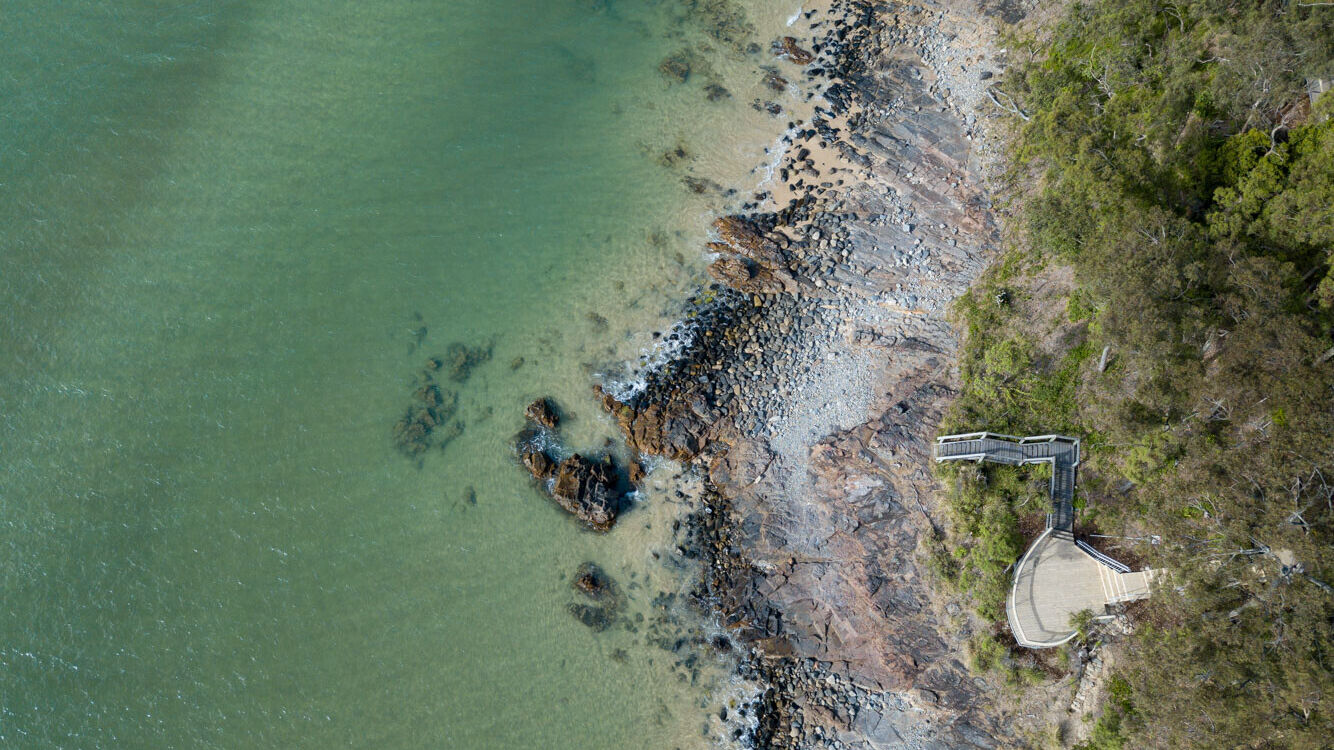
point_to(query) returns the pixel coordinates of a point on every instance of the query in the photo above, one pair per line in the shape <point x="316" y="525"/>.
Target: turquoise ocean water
<point x="231" y="233"/>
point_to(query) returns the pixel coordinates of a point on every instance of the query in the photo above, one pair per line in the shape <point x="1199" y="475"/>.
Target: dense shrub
<point x="1173" y="161"/>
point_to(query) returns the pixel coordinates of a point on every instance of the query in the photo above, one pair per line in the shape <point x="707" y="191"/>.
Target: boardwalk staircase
<point x="1059" y="575"/>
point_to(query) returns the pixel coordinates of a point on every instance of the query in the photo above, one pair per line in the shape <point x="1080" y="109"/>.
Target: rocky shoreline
<point x="811" y="390"/>
<point x="820" y="364"/>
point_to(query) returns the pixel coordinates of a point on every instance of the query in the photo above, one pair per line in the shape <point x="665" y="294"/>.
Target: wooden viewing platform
<point x="1057" y="577"/>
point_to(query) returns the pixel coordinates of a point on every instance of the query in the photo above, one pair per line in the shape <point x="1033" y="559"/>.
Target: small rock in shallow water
<point x="539" y="464"/>
<point x="592" y="580"/>
<point x="787" y="47"/>
<point x="543" y="411"/>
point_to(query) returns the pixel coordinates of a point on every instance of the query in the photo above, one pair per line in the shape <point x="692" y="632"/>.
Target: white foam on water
<point x="738" y="693"/>
<point x="776" y="151"/>
<point x="664" y="350"/>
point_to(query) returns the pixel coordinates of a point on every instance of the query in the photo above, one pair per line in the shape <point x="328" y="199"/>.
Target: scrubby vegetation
<point x="1176" y="211"/>
<point x="986" y="508"/>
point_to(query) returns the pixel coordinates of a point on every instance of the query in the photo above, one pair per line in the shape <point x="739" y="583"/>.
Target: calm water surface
<point x="231" y="233"/>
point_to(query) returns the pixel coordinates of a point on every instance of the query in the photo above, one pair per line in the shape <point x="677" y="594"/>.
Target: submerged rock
<point x="606" y="599"/>
<point x="432" y="407"/>
<point x="676" y="67"/>
<point x="675" y="155"/>
<point x="723" y="20"/>
<point x="458" y="361"/>
<point x="597" y="618"/>
<point x="715" y="92"/>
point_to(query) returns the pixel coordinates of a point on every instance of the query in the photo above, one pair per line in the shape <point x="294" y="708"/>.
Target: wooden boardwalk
<point x="1057" y="577"/>
<point x="1060" y="452"/>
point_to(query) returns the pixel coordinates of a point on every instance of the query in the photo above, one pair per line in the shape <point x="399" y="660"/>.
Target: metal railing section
<point x="1116" y="565"/>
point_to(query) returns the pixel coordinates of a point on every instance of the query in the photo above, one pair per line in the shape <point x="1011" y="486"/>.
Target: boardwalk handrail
<point x="1116" y="565"/>
<point x="964" y="437"/>
<point x="1019" y="451"/>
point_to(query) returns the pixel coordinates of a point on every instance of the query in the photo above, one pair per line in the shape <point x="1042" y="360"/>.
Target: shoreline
<point x="809" y="394"/>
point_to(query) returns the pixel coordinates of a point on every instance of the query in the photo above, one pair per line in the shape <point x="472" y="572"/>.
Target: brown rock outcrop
<point x="669" y="430"/>
<point x="787" y="47"/>
<point x="744" y="237"/>
<point x="752" y="260"/>
<point x="587" y="489"/>
<point x="539" y="464"/>
<point x="543" y="411"/>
